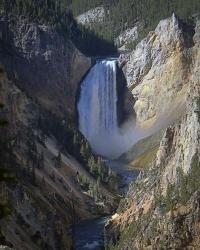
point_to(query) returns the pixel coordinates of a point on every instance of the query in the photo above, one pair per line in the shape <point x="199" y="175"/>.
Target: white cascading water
<point x="97" y="109"/>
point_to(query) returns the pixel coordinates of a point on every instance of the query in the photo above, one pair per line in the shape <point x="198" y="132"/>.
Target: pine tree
<point x="82" y="151"/>
<point x="91" y="164"/>
<point x="40" y="163"/>
<point x="58" y="160"/>
<point x="33" y="176"/>
<point x="5" y="176"/>
<point x="52" y="175"/>
<point x="43" y="181"/>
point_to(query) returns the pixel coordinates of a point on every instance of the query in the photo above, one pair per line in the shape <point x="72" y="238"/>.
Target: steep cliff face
<point x="158" y="71"/>
<point x="46" y="199"/>
<point x="161" y="209"/>
<point x="41" y="210"/>
<point x="29" y="49"/>
<point x="39" y="75"/>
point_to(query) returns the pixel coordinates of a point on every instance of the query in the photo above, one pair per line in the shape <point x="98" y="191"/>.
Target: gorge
<point x="98" y="122"/>
<point x="99" y="149"/>
<point x="160" y="65"/>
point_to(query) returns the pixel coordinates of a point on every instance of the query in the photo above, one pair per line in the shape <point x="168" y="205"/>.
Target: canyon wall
<point x="40" y="71"/>
<point x="161" y="209"/>
<point x="158" y="71"/>
<point x="42" y="62"/>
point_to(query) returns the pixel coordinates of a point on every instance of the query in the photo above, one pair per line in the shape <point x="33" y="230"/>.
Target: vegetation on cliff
<point x="5" y="176"/>
<point x="170" y="212"/>
<point x="122" y="14"/>
<point x="72" y="140"/>
<point x="44" y="155"/>
<point x="161" y="209"/>
<point x="48" y="156"/>
<point x="59" y="14"/>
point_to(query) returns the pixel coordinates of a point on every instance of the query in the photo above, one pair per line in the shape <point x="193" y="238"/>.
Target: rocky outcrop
<point x="159" y="70"/>
<point x="30" y="49"/>
<point x="92" y="16"/>
<point x="129" y="37"/>
<point x="5" y="248"/>
<point x="161" y="209"/>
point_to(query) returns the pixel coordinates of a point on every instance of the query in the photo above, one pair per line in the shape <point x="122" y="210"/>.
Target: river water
<point x="97" y="108"/>
<point x="89" y="234"/>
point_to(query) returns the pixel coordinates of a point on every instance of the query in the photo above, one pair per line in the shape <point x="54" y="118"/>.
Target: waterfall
<point x="97" y="108"/>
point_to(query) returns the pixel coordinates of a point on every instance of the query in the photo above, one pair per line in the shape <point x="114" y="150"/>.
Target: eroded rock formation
<point x="161" y="209"/>
<point x="29" y="49"/>
<point x="159" y="71"/>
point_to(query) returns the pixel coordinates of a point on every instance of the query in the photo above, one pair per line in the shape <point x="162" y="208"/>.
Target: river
<point x="89" y="234"/>
<point x="98" y="122"/>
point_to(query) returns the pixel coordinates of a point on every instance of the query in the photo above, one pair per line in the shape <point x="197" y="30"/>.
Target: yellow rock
<point x="145" y="90"/>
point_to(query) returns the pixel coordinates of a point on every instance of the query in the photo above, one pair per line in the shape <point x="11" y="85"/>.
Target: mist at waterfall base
<point x="97" y="109"/>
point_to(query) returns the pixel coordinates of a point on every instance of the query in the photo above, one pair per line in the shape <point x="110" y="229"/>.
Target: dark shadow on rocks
<point x="125" y="101"/>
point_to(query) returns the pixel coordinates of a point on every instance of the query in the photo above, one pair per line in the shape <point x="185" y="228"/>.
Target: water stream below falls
<point x="98" y="122"/>
<point x="89" y="234"/>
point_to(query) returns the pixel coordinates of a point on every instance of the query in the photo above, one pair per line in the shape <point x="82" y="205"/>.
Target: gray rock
<point x="129" y="35"/>
<point x="5" y="248"/>
<point x="158" y="71"/>
<point x="95" y="15"/>
<point x="32" y="49"/>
